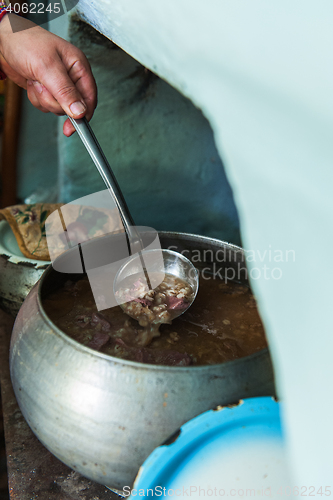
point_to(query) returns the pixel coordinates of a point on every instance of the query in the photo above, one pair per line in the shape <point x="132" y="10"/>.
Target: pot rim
<point x="136" y="364"/>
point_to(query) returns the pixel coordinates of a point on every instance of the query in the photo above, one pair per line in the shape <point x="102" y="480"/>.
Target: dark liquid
<point x="221" y="325"/>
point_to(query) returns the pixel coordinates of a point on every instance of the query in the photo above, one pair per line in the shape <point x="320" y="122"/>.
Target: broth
<point x="221" y="325"/>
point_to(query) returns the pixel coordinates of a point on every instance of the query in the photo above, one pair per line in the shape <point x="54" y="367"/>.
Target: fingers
<point x="56" y="74"/>
<point x="71" y="90"/>
<point x="81" y="74"/>
<point x="40" y="97"/>
<point x="33" y="98"/>
<point x="58" y="86"/>
<point x="68" y="128"/>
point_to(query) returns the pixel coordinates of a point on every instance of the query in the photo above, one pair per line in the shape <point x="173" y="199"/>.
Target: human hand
<point x="55" y="73"/>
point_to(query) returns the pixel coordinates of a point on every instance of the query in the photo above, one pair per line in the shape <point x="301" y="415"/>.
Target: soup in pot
<point x="222" y="324"/>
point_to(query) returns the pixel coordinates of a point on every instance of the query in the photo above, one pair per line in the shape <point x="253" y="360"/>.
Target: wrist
<point x="5" y="32"/>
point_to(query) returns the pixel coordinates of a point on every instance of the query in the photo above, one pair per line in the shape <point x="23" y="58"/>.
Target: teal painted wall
<point x="37" y="153"/>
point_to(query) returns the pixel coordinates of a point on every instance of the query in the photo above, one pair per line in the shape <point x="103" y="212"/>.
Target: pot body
<point x="103" y="416"/>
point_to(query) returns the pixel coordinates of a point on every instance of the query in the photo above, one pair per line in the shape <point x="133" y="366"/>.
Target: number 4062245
<point x="34" y="8"/>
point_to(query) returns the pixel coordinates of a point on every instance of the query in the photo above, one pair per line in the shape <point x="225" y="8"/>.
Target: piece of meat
<point x="145" y="355"/>
<point x="98" y="340"/>
<point x="174" y="303"/>
<point x="144" y="302"/>
<point x="82" y="320"/>
<point x="152" y="356"/>
<point x="142" y="356"/>
<point x="98" y="319"/>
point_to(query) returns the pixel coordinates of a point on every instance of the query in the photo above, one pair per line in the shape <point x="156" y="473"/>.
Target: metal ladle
<point x="174" y="262"/>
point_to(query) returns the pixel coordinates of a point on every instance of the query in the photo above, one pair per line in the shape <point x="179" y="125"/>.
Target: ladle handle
<point x="95" y="151"/>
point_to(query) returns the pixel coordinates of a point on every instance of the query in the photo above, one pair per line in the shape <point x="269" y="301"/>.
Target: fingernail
<point x="38" y="86"/>
<point x="77" y="108"/>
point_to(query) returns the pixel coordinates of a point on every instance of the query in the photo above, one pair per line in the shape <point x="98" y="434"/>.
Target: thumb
<point x="63" y="89"/>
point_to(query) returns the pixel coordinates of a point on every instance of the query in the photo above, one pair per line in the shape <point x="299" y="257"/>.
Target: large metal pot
<point x="103" y="416"/>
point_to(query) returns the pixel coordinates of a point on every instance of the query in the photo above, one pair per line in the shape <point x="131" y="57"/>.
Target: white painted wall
<point x="261" y="71"/>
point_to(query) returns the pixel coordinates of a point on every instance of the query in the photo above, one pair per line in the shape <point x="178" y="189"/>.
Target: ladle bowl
<point x="158" y="263"/>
